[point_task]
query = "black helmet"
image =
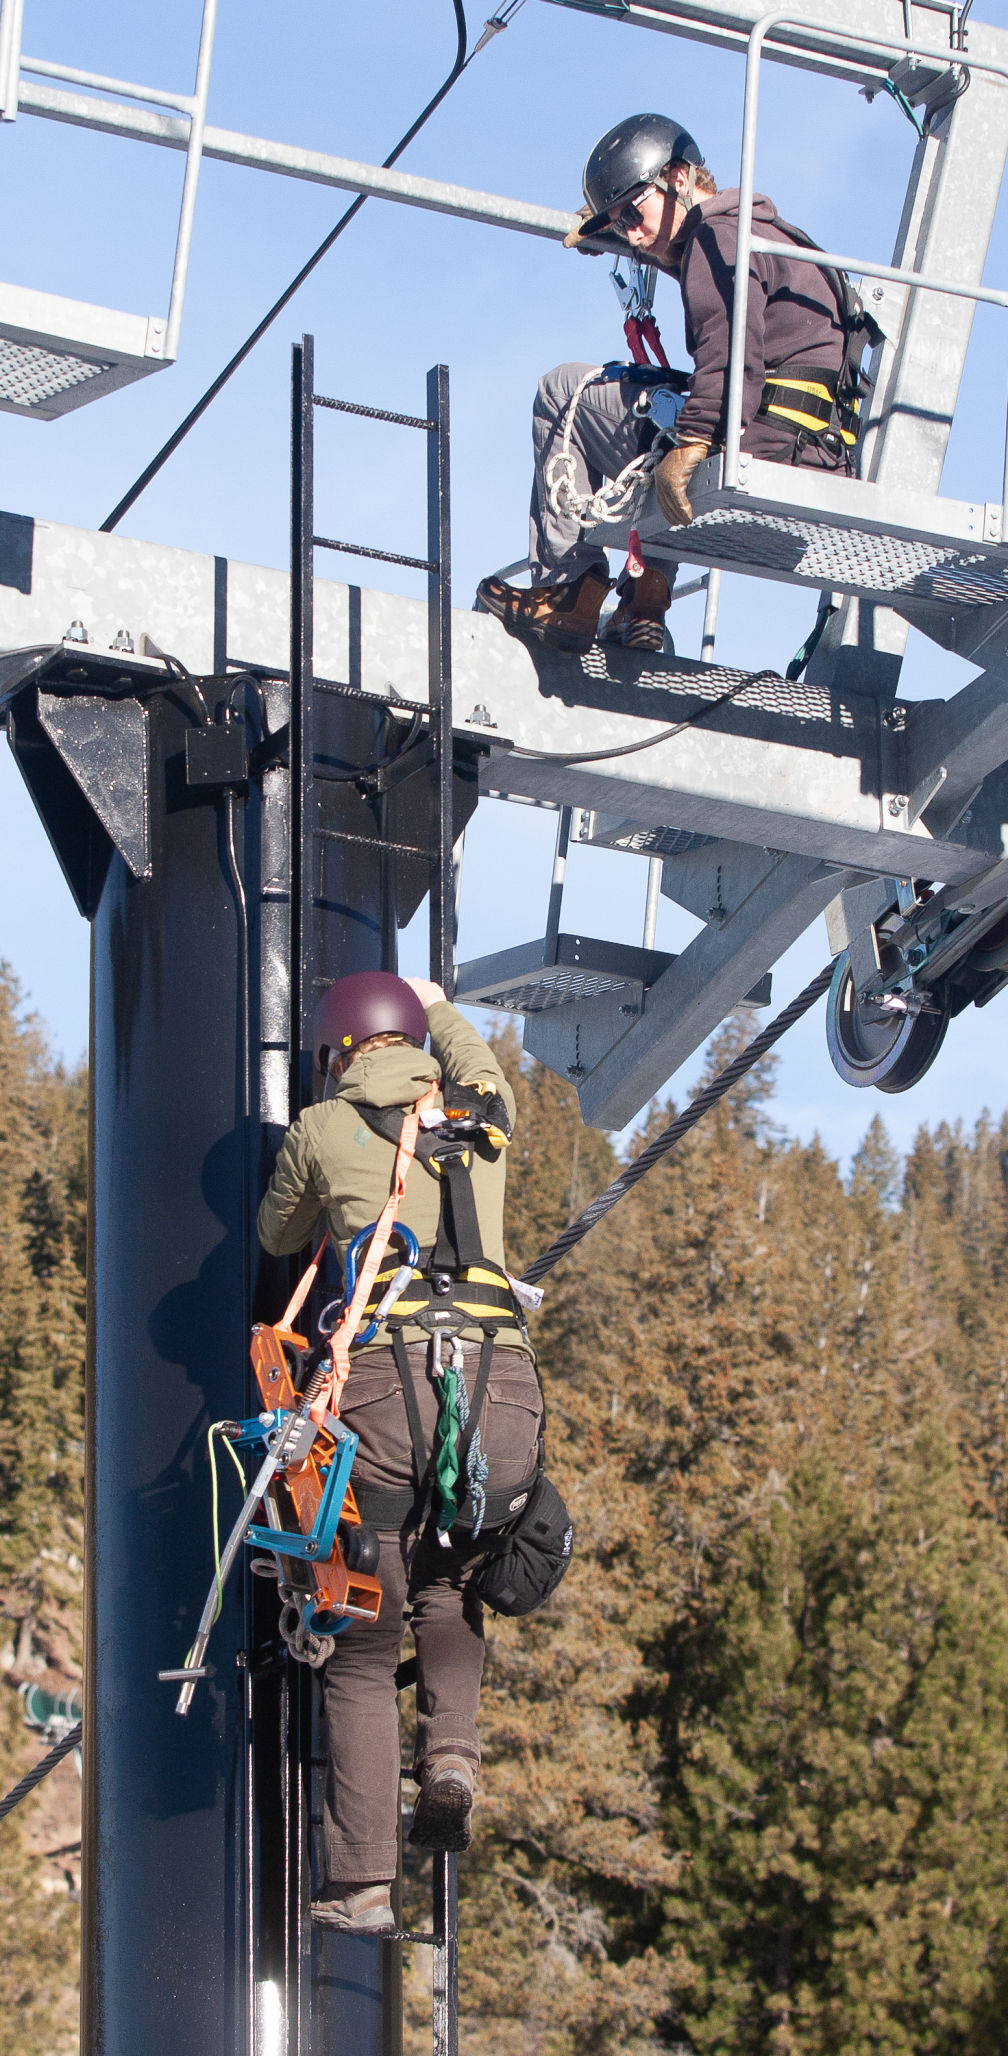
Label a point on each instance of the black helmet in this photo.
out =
(366, 1003)
(629, 157)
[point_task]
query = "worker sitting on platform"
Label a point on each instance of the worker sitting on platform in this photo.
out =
(646, 187)
(445, 1398)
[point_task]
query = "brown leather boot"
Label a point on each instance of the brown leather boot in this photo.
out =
(564, 616)
(639, 620)
(441, 1816)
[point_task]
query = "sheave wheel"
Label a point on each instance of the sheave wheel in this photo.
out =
(870, 1046)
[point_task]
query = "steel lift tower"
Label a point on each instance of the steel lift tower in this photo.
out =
(262, 808)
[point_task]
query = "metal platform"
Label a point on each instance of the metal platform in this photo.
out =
(536, 976)
(937, 558)
(763, 798)
(56, 354)
(539, 975)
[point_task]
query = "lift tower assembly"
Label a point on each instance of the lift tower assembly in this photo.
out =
(261, 808)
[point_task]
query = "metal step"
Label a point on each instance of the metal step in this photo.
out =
(538, 975)
(942, 558)
(57, 354)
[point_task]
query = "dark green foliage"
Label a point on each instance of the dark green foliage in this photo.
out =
(43, 1147)
(744, 1778)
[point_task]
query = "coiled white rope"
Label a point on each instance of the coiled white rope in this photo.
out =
(304, 1645)
(613, 500)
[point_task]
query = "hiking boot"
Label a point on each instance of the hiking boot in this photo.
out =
(355, 1909)
(639, 620)
(566, 617)
(441, 1816)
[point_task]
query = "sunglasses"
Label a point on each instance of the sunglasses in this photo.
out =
(629, 215)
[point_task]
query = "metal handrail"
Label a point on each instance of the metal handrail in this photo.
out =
(72, 75)
(191, 105)
(748, 242)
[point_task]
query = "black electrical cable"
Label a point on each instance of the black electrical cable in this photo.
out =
(649, 742)
(804, 656)
(140, 485)
(683, 1122)
(34, 1777)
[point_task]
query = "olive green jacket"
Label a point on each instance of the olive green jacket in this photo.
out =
(333, 1164)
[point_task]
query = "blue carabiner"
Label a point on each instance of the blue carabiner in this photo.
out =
(331, 1313)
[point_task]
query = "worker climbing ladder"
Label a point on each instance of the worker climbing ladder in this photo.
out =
(864, 792)
(411, 778)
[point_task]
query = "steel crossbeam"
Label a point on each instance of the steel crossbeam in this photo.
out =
(764, 797)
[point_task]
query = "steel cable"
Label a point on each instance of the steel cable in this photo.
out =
(705, 1099)
(41, 1770)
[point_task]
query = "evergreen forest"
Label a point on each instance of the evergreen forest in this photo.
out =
(744, 1782)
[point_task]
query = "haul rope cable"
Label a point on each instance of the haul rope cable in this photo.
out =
(41, 1770)
(705, 1099)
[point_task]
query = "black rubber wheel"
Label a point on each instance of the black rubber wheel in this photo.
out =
(869, 1046)
(360, 1547)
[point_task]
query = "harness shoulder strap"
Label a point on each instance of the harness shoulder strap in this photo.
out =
(448, 1158)
(859, 327)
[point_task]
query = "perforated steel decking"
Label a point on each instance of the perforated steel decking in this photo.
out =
(535, 976)
(811, 528)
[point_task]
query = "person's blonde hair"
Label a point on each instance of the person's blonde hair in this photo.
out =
(702, 180)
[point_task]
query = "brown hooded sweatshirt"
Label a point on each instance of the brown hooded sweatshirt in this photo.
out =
(792, 319)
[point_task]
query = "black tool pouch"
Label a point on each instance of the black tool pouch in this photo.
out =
(530, 1557)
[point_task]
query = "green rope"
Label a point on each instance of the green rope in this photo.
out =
(446, 1445)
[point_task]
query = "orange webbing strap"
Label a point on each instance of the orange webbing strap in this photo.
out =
(304, 1285)
(328, 1398)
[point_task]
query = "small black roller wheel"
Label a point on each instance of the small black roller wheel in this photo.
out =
(360, 1547)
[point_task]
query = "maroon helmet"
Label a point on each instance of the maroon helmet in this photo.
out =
(366, 1003)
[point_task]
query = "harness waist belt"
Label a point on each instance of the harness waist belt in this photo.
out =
(480, 1292)
(810, 403)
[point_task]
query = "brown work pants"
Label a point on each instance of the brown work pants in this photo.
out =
(361, 1807)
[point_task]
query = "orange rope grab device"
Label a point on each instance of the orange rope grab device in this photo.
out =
(323, 1555)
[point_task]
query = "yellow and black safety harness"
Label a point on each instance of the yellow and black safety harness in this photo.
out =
(822, 404)
(453, 1287)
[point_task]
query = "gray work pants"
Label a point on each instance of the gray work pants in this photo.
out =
(361, 1808)
(606, 436)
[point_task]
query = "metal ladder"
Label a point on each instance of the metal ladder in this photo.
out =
(372, 811)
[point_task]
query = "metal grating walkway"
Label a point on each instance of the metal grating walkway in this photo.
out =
(536, 976)
(812, 528)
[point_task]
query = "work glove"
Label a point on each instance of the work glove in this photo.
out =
(672, 480)
(426, 991)
(609, 242)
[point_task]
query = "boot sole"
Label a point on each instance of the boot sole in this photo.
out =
(443, 1820)
(650, 638)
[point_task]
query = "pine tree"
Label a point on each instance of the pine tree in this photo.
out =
(839, 1739)
(42, 1256)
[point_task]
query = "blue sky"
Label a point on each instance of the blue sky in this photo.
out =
(93, 217)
